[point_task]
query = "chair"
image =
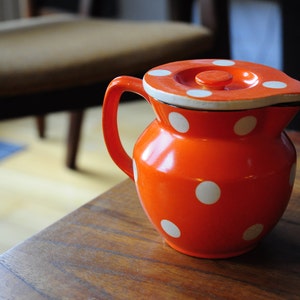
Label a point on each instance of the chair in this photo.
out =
(64, 62)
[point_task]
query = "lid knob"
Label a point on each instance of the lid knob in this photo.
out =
(214, 79)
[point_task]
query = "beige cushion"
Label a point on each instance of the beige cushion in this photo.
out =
(57, 52)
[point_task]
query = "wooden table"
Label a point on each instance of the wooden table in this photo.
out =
(107, 249)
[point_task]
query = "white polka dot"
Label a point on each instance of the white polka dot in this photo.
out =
(223, 62)
(253, 232)
(179, 122)
(274, 84)
(170, 228)
(135, 172)
(293, 174)
(199, 93)
(245, 125)
(208, 192)
(159, 72)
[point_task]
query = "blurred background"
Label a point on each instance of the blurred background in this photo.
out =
(256, 25)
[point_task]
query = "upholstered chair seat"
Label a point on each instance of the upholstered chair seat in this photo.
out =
(64, 62)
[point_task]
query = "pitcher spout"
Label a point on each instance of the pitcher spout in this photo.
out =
(277, 119)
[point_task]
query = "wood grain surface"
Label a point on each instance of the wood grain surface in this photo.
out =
(107, 249)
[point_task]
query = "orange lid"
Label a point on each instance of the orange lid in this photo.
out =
(217, 84)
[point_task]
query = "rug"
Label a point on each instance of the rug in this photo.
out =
(7, 149)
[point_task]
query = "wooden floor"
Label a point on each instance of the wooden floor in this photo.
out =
(36, 189)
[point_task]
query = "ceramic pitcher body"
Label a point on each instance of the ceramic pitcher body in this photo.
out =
(213, 182)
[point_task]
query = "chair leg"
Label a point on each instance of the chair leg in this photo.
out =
(41, 125)
(76, 118)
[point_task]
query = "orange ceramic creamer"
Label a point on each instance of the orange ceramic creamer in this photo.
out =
(214, 171)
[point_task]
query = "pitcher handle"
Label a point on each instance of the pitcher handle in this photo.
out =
(111, 102)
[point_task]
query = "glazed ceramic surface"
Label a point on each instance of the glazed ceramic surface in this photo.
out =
(214, 171)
